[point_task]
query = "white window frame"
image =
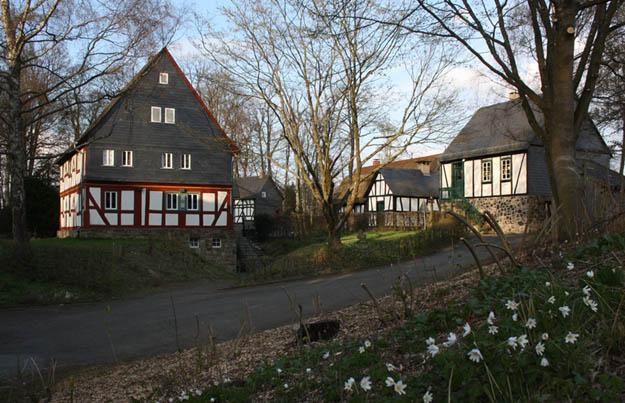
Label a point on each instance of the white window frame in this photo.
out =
(193, 201)
(487, 171)
(155, 114)
(163, 78)
(171, 201)
(167, 161)
(263, 195)
(110, 200)
(506, 173)
(185, 161)
(127, 158)
(194, 243)
(216, 243)
(108, 158)
(170, 119)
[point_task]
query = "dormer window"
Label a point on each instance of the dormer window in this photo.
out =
(155, 116)
(170, 115)
(163, 78)
(108, 158)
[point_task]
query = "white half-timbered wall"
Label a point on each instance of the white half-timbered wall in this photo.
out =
(71, 209)
(146, 207)
(71, 171)
(474, 186)
(379, 192)
(71, 174)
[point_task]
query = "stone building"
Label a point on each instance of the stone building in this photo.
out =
(155, 163)
(497, 163)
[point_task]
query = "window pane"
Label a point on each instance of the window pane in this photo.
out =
(170, 115)
(156, 114)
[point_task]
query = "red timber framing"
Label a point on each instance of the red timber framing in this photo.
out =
(140, 205)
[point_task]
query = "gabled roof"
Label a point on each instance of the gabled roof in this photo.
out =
(83, 140)
(504, 127)
(410, 182)
(412, 164)
(251, 186)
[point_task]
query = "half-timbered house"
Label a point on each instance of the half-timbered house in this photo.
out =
(498, 163)
(155, 163)
(256, 195)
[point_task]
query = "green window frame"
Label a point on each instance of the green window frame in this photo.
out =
(171, 201)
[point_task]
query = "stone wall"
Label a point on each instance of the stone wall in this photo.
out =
(225, 256)
(513, 212)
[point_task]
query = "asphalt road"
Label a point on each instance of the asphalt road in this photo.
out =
(85, 334)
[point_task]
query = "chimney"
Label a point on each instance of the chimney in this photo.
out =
(513, 95)
(376, 162)
(261, 174)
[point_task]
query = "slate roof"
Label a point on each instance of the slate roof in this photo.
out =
(600, 173)
(81, 142)
(412, 164)
(503, 128)
(251, 186)
(411, 182)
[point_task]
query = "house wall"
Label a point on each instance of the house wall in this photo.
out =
(272, 202)
(474, 186)
(380, 192)
(538, 172)
(224, 256)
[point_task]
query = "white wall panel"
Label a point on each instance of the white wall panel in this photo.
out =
(208, 219)
(156, 201)
(128, 219)
(221, 196)
(155, 219)
(95, 193)
(468, 178)
(111, 218)
(222, 221)
(519, 173)
(171, 219)
(496, 176)
(192, 219)
(208, 201)
(477, 178)
(94, 218)
(128, 200)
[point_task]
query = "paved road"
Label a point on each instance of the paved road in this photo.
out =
(142, 327)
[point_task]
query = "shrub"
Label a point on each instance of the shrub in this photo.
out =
(264, 226)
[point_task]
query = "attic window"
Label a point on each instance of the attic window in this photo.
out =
(156, 114)
(263, 195)
(163, 78)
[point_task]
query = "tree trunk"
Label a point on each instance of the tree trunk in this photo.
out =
(16, 160)
(622, 165)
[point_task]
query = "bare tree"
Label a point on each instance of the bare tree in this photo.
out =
(503, 36)
(316, 66)
(76, 43)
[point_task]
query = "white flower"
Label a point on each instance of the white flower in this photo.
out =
(400, 388)
(198, 392)
(390, 382)
(308, 370)
(365, 383)
(493, 329)
(571, 338)
(586, 290)
(565, 311)
(547, 284)
(367, 344)
(593, 305)
(361, 349)
(475, 355)
(515, 317)
(552, 300)
(566, 293)
(212, 399)
(390, 367)
(349, 383)
(590, 274)
(491, 318)
(512, 342)
(227, 380)
(433, 349)
(451, 340)
(279, 371)
(326, 355)
(540, 348)
(467, 329)
(512, 305)
(523, 340)
(545, 336)
(544, 362)
(531, 323)
(428, 397)
(570, 266)
(286, 386)
(430, 341)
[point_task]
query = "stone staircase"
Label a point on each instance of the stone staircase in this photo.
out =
(249, 255)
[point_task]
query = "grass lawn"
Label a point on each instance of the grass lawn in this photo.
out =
(294, 259)
(77, 270)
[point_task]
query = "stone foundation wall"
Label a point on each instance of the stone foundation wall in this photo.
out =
(513, 212)
(225, 256)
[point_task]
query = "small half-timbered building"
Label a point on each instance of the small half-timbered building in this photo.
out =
(498, 163)
(256, 195)
(155, 163)
(402, 190)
